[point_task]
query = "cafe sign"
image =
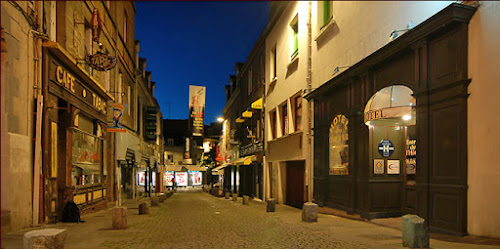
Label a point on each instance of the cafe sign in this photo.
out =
(67, 80)
(101, 61)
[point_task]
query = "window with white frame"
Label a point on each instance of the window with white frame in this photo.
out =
(294, 39)
(324, 13)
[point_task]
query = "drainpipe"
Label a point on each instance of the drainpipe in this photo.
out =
(41, 90)
(309, 159)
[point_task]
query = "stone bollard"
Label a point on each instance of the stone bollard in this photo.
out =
(162, 198)
(227, 194)
(143, 208)
(45, 238)
(155, 201)
(119, 217)
(271, 205)
(415, 232)
(310, 212)
(235, 197)
(246, 199)
(219, 192)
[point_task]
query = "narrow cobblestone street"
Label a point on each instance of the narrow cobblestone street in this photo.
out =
(194, 219)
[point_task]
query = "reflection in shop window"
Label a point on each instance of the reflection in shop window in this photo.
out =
(339, 146)
(86, 159)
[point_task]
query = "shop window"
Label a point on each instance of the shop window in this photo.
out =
(339, 146)
(284, 119)
(87, 151)
(272, 120)
(294, 39)
(324, 13)
(298, 113)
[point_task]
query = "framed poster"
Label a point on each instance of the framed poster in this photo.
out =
(378, 166)
(181, 179)
(393, 167)
(168, 179)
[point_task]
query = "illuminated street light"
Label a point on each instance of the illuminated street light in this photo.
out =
(220, 119)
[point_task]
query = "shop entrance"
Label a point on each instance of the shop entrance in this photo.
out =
(390, 115)
(295, 183)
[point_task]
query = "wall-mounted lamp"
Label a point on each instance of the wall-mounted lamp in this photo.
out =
(220, 119)
(337, 69)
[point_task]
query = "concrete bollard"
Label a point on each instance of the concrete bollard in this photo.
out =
(119, 217)
(162, 198)
(143, 208)
(246, 199)
(310, 212)
(235, 197)
(227, 194)
(219, 192)
(45, 238)
(415, 232)
(155, 201)
(271, 205)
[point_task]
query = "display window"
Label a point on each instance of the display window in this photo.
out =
(339, 146)
(86, 158)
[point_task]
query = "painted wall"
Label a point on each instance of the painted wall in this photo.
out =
(17, 119)
(483, 120)
(359, 29)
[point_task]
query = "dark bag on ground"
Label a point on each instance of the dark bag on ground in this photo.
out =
(71, 212)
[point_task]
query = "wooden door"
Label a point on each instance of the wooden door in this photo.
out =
(295, 183)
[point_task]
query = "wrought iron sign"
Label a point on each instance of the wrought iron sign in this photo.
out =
(101, 61)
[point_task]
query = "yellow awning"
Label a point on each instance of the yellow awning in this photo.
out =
(247, 114)
(258, 104)
(244, 160)
(240, 120)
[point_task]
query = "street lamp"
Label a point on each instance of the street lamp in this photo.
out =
(220, 119)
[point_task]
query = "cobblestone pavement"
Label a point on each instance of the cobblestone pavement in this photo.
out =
(199, 220)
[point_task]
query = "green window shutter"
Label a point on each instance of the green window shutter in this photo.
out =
(326, 11)
(295, 38)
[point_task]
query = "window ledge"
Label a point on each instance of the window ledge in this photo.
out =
(324, 29)
(293, 61)
(273, 81)
(287, 135)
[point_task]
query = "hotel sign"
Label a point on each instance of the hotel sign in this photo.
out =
(67, 80)
(391, 112)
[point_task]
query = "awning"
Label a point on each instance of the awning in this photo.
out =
(173, 168)
(195, 168)
(244, 161)
(247, 114)
(258, 104)
(240, 120)
(219, 170)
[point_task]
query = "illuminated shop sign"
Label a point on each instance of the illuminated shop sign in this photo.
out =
(181, 179)
(387, 113)
(168, 179)
(100, 61)
(195, 178)
(65, 79)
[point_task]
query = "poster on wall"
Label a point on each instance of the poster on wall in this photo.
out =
(378, 166)
(118, 111)
(195, 178)
(339, 146)
(181, 179)
(196, 109)
(142, 178)
(411, 156)
(168, 179)
(393, 167)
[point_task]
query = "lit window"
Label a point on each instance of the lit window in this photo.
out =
(294, 40)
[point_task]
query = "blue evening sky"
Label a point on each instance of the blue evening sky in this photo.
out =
(196, 43)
